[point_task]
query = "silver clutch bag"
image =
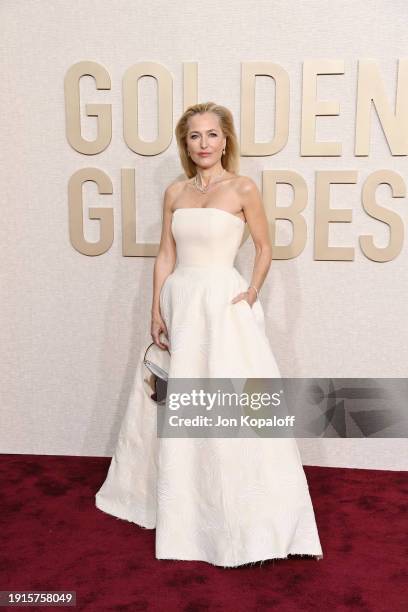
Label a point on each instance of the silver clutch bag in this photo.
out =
(157, 362)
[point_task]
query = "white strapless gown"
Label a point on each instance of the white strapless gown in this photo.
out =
(227, 501)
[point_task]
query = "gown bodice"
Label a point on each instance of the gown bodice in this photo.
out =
(206, 236)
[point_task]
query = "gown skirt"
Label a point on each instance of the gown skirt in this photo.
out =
(225, 501)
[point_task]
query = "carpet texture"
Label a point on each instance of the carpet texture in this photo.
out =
(53, 538)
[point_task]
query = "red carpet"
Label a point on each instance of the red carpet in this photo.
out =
(53, 537)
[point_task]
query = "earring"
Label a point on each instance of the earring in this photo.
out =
(223, 152)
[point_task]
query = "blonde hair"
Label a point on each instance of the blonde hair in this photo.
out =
(230, 161)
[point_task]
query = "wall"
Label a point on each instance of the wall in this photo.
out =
(72, 326)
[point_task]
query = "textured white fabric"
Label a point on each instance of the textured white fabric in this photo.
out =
(227, 501)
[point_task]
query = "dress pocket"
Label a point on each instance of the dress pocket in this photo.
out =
(244, 302)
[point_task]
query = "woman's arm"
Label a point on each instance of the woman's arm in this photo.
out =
(258, 226)
(163, 265)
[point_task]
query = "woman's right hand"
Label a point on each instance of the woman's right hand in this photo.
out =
(158, 326)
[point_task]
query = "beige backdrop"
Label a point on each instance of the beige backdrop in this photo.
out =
(72, 326)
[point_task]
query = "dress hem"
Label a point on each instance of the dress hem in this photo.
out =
(242, 563)
(114, 511)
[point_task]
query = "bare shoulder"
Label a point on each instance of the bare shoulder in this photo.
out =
(246, 186)
(172, 191)
(175, 187)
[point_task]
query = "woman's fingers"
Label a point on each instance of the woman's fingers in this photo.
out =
(243, 296)
(157, 329)
(238, 297)
(158, 342)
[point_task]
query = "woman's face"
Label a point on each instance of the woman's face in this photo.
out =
(204, 135)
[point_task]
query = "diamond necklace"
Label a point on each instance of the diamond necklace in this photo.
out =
(200, 187)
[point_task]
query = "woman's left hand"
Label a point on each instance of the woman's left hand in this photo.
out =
(244, 295)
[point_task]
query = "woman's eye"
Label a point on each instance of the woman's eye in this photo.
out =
(193, 136)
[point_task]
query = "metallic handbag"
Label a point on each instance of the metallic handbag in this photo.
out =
(158, 376)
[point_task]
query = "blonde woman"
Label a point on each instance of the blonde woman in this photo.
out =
(226, 501)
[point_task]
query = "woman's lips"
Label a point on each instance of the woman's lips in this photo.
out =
(204, 154)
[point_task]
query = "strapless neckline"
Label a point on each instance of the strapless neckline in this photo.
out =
(221, 210)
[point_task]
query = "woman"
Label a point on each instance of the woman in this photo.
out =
(226, 501)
